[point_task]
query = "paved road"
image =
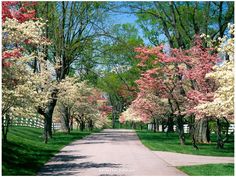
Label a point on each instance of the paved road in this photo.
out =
(108, 153)
(177, 159)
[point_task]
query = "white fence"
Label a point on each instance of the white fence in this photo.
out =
(186, 128)
(151, 127)
(231, 128)
(30, 122)
(56, 126)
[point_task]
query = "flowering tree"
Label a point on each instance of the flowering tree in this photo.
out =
(143, 108)
(222, 104)
(92, 110)
(197, 63)
(25, 52)
(20, 28)
(101, 107)
(77, 100)
(25, 88)
(14, 9)
(68, 95)
(104, 111)
(130, 115)
(162, 80)
(18, 73)
(178, 76)
(184, 78)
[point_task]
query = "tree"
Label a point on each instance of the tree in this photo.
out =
(194, 69)
(178, 22)
(20, 85)
(163, 80)
(178, 76)
(130, 115)
(221, 106)
(72, 27)
(77, 100)
(148, 108)
(92, 111)
(15, 10)
(119, 67)
(68, 95)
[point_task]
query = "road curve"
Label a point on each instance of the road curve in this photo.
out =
(178, 159)
(108, 153)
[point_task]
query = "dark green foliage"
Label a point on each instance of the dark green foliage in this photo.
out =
(178, 22)
(163, 142)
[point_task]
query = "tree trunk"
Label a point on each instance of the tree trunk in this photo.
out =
(180, 129)
(45, 131)
(194, 142)
(220, 143)
(65, 119)
(4, 137)
(191, 123)
(163, 126)
(48, 122)
(202, 131)
(157, 125)
(5, 127)
(81, 125)
(113, 120)
(90, 124)
(47, 113)
(154, 124)
(49, 127)
(226, 138)
(71, 123)
(170, 124)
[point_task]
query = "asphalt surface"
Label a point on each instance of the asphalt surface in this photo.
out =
(178, 159)
(109, 153)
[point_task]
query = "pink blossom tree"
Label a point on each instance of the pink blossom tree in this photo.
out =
(177, 76)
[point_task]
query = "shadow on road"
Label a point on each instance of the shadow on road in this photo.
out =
(88, 142)
(112, 135)
(74, 168)
(65, 158)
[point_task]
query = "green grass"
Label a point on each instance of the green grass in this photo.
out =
(209, 170)
(25, 151)
(161, 142)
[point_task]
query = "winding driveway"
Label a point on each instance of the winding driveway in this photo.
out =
(120, 153)
(109, 153)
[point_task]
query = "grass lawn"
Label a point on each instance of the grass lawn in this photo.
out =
(25, 151)
(161, 142)
(209, 170)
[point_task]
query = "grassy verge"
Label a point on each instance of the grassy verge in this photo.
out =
(209, 170)
(161, 142)
(25, 151)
